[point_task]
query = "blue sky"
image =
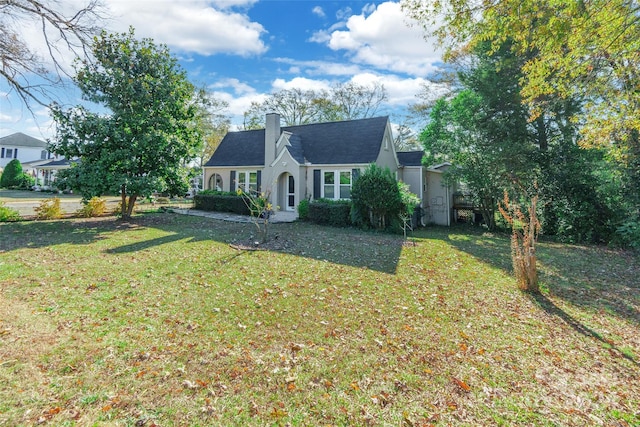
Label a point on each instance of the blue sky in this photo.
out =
(241, 50)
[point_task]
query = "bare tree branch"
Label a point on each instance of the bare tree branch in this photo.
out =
(32, 76)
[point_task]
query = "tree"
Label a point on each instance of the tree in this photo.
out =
(11, 174)
(484, 132)
(575, 49)
(376, 198)
(30, 76)
(213, 123)
(148, 131)
(346, 101)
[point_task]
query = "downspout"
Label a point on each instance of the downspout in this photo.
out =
(448, 208)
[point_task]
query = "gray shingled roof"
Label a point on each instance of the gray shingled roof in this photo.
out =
(347, 142)
(21, 140)
(410, 158)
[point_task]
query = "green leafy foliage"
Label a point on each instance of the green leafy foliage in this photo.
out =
(8, 214)
(220, 202)
(141, 144)
(49, 209)
(577, 52)
(336, 213)
(376, 199)
(303, 209)
(11, 174)
(629, 233)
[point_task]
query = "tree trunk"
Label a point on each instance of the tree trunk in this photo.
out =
(123, 203)
(132, 202)
(488, 212)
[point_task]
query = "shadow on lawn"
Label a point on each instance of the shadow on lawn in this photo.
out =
(593, 277)
(376, 251)
(556, 311)
(39, 234)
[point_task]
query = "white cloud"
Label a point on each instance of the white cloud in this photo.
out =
(300, 83)
(318, 11)
(383, 39)
(238, 87)
(314, 68)
(192, 26)
(402, 91)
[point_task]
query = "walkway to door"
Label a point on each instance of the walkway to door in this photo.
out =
(277, 217)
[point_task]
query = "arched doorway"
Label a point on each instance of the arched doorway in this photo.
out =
(215, 182)
(287, 192)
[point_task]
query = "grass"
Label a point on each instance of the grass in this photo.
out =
(160, 322)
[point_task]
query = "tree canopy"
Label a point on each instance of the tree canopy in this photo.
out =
(588, 49)
(145, 130)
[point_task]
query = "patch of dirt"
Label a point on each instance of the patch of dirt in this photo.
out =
(275, 243)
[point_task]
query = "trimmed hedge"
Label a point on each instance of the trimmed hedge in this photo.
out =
(330, 212)
(221, 203)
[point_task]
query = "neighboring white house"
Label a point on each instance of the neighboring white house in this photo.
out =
(320, 160)
(22, 147)
(34, 156)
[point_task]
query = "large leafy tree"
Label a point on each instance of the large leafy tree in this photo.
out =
(483, 130)
(29, 74)
(575, 49)
(146, 129)
(486, 131)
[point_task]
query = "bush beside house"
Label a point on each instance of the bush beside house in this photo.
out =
(217, 201)
(336, 213)
(14, 177)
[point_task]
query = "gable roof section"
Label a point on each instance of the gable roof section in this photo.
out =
(346, 142)
(410, 158)
(19, 139)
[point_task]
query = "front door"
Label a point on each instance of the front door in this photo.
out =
(291, 193)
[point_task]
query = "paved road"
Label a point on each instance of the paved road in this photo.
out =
(25, 202)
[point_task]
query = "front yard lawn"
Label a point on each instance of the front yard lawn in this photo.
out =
(161, 322)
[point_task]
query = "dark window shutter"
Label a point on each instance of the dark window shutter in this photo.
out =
(15, 153)
(355, 174)
(317, 182)
(2, 153)
(259, 181)
(232, 182)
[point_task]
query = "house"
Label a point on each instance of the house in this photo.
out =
(47, 170)
(320, 160)
(22, 147)
(429, 184)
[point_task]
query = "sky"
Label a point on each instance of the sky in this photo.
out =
(242, 50)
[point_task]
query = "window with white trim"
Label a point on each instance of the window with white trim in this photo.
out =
(336, 184)
(8, 153)
(248, 181)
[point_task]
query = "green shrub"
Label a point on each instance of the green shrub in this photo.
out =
(216, 193)
(303, 209)
(11, 174)
(336, 213)
(221, 202)
(95, 207)
(8, 214)
(49, 209)
(24, 182)
(629, 234)
(377, 201)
